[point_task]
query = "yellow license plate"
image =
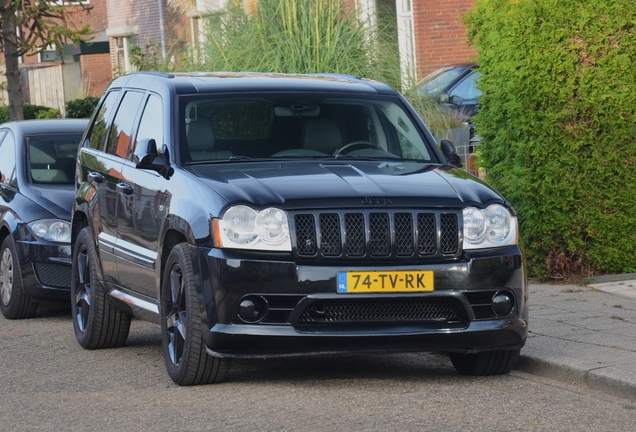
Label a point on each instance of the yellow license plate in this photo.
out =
(385, 281)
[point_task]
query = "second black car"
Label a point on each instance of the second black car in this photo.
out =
(37, 188)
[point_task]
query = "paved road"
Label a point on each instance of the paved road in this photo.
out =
(48, 382)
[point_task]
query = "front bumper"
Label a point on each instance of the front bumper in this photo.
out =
(46, 268)
(295, 295)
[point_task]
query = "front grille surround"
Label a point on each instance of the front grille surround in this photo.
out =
(376, 234)
(440, 308)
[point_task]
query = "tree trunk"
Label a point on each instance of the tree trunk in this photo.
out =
(14, 83)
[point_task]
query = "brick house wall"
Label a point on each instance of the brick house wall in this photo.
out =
(96, 73)
(96, 69)
(440, 37)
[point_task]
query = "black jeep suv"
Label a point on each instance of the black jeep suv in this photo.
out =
(261, 215)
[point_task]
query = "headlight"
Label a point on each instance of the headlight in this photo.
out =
(492, 227)
(242, 227)
(51, 229)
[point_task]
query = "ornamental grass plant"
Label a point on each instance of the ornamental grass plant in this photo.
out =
(298, 36)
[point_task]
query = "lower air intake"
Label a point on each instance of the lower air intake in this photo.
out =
(379, 311)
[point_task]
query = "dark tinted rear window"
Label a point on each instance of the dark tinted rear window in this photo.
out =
(51, 158)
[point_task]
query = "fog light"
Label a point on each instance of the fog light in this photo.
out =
(252, 309)
(502, 304)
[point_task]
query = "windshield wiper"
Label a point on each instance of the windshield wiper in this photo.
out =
(360, 158)
(230, 159)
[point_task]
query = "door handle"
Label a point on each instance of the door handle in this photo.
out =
(95, 177)
(125, 188)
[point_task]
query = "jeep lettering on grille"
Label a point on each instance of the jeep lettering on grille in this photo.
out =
(376, 201)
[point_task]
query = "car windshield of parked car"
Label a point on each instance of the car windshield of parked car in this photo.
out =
(437, 81)
(294, 125)
(51, 158)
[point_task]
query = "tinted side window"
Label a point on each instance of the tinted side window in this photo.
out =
(467, 89)
(7, 161)
(151, 125)
(121, 129)
(98, 133)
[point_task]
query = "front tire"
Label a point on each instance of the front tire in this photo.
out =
(496, 362)
(96, 321)
(184, 351)
(14, 302)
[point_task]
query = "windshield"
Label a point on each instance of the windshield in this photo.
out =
(51, 158)
(298, 125)
(436, 82)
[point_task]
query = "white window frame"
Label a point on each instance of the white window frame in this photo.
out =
(125, 50)
(68, 3)
(48, 49)
(126, 35)
(406, 41)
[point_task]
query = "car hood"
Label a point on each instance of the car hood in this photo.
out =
(313, 184)
(56, 199)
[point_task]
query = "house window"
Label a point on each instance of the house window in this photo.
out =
(49, 54)
(122, 53)
(68, 3)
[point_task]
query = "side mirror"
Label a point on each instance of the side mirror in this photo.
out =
(449, 152)
(146, 156)
(145, 152)
(456, 100)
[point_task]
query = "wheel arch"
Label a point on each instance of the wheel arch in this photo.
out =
(172, 238)
(79, 221)
(4, 232)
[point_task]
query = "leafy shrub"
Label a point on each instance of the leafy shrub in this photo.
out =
(30, 112)
(81, 108)
(48, 114)
(558, 120)
(4, 114)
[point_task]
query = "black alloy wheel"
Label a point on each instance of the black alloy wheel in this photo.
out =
(176, 316)
(187, 361)
(83, 294)
(14, 302)
(96, 321)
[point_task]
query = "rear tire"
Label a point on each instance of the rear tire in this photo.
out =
(14, 302)
(96, 321)
(485, 363)
(184, 352)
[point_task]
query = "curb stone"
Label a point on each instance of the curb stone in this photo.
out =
(605, 379)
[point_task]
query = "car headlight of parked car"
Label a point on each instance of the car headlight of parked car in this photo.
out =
(52, 230)
(242, 227)
(491, 227)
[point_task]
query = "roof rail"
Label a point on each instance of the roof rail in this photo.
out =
(161, 74)
(337, 75)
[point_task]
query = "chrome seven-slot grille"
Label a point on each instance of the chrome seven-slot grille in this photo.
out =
(376, 234)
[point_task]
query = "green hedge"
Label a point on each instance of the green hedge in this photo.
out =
(81, 108)
(30, 112)
(558, 122)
